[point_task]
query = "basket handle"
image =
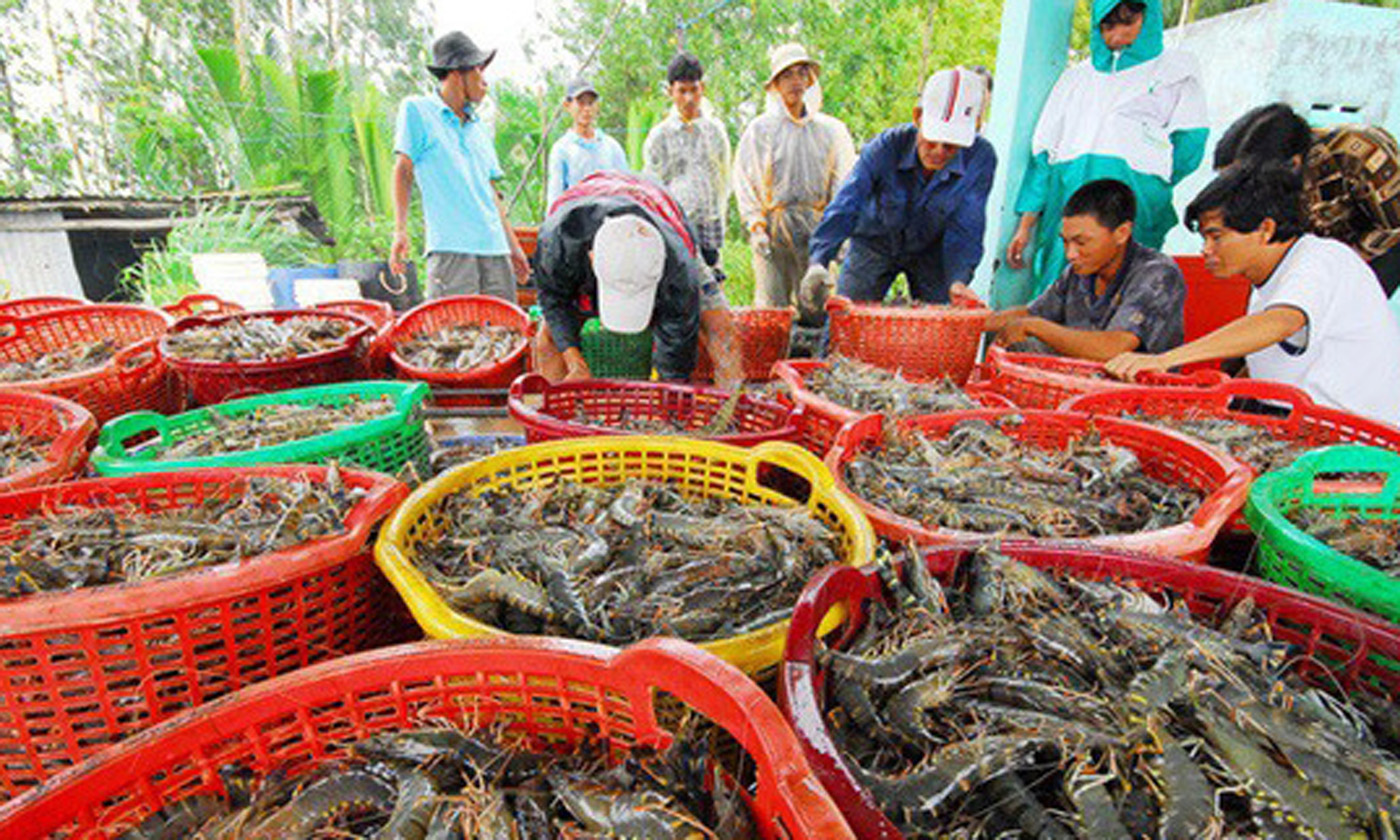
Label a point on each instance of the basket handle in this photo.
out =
(1352, 459)
(837, 303)
(793, 459)
(530, 383)
(9, 327)
(128, 360)
(1275, 392)
(114, 435)
(720, 692)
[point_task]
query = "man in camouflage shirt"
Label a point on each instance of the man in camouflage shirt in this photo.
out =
(688, 152)
(1115, 296)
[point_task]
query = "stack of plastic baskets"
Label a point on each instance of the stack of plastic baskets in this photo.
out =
(925, 342)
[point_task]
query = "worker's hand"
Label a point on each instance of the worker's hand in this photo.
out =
(960, 294)
(760, 243)
(1016, 331)
(576, 365)
(814, 291)
(398, 252)
(520, 264)
(1127, 366)
(1016, 250)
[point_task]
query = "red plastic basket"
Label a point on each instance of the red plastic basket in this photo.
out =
(210, 382)
(1337, 644)
(925, 342)
(1034, 381)
(1211, 303)
(1164, 455)
(201, 304)
(66, 425)
(757, 420)
(1306, 422)
(451, 311)
(381, 316)
(823, 419)
(761, 338)
(24, 307)
(560, 693)
(88, 667)
(136, 378)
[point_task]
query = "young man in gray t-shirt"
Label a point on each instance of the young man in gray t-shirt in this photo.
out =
(1115, 296)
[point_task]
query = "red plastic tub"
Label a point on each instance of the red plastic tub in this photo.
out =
(1338, 646)
(1034, 381)
(381, 316)
(88, 667)
(135, 379)
(67, 426)
(1306, 422)
(762, 337)
(757, 420)
(23, 307)
(559, 692)
(1211, 302)
(210, 382)
(922, 342)
(1164, 455)
(823, 418)
(451, 311)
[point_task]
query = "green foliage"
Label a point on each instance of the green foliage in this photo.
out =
(164, 274)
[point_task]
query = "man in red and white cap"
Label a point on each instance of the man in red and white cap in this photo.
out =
(915, 203)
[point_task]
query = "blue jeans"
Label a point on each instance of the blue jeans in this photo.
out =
(867, 273)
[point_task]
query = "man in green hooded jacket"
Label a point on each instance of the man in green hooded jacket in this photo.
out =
(1134, 113)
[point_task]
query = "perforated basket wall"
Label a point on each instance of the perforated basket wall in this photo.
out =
(771, 474)
(66, 427)
(1336, 646)
(91, 666)
(1033, 381)
(761, 338)
(924, 342)
(452, 311)
(555, 692)
(1164, 455)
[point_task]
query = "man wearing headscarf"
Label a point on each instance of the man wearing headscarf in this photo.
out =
(788, 165)
(1133, 112)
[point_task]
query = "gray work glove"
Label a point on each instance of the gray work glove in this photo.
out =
(812, 295)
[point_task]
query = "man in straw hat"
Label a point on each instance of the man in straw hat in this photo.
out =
(789, 164)
(916, 202)
(442, 144)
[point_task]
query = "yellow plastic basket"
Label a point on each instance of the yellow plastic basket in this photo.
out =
(771, 473)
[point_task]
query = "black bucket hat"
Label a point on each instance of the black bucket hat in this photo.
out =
(455, 51)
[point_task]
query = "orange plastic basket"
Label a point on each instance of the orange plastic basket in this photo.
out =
(822, 419)
(136, 378)
(1033, 381)
(922, 342)
(1337, 647)
(1164, 455)
(558, 693)
(88, 667)
(210, 382)
(761, 338)
(200, 304)
(66, 425)
(451, 311)
(22, 307)
(608, 400)
(1305, 421)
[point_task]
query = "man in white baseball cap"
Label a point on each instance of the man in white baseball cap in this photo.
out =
(916, 202)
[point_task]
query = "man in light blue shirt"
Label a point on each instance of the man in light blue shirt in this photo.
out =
(584, 148)
(442, 144)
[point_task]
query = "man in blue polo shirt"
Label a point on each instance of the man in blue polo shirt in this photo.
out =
(915, 203)
(442, 144)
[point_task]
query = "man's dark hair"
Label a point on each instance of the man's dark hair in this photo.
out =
(1124, 13)
(1269, 132)
(1110, 202)
(1247, 194)
(684, 68)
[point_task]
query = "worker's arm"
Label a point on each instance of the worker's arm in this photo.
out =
(675, 323)
(839, 220)
(557, 285)
(519, 263)
(748, 181)
(403, 191)
(555, 183)
(997, 320)
(1188, 150)
(967, 223)
(1238, 338)
(1095, 345)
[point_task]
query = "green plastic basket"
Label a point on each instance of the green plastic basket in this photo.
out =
(613, 355)
(384, 444)
(1289, 556)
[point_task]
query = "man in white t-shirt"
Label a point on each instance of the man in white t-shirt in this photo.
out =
(1317, 318)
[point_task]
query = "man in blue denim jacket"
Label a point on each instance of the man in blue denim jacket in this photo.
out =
(916, 202)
